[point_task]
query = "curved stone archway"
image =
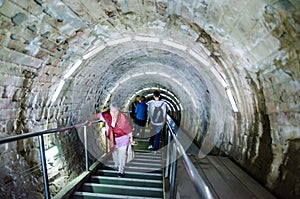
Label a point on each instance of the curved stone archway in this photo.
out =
(232, 65)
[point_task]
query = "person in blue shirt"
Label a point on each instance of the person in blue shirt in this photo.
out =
(140, 117)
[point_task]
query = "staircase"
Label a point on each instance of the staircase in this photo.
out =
(143, 179)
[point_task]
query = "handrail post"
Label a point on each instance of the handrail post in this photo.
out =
(85, 149)
(44, 165)
(173, 173)
(106, 144)
(168, 152)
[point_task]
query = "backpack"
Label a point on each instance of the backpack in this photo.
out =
(158, 116)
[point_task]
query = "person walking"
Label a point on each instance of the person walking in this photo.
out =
(118, 132)
(157, 117)
(133, 107)
(140, 117)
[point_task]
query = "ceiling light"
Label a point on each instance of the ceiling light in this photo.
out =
(199, 58)
(151, 39)
(57, 91)
(137, 74)
(73, 68)
(231, 100)
(175, 45)
(219, 77)
(93, 52)
(118, 41)
(151, 73)
(165, 75)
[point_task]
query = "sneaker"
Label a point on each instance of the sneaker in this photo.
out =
(120, 175)
(150, 147)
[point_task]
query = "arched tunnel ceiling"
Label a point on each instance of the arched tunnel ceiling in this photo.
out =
(222, 44)
(213, 43)
(137, 69)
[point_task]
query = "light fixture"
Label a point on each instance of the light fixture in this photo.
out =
(114, 88)
(150, 39)
(219, 77)
(137, 74)
(165, 75)
(198, 57)
(175, 45)
(72, 70)
(93, 52)
(231, 100)
(125, 79)
(151, 73)
(57, 91)
(118, 41)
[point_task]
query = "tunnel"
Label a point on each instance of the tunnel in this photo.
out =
(228, 70)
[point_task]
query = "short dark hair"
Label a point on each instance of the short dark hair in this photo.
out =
(143, 98)
(156, 93)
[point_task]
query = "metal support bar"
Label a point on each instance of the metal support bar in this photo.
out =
(202, 189)
(106, 143)
(44, 165)
(85, 149)
(173, 173)
(168, 153)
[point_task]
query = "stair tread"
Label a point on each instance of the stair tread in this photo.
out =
(146, 159)
(149, 162)
(127, 179)
(132, 172)
(123, 187)
(129, 167)
(98, 195)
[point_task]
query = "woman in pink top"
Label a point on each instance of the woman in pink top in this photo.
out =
(119, 134)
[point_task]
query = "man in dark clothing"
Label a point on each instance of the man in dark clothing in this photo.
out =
(140, 117)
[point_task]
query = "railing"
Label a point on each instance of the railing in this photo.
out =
(173, 152)
(42, 148)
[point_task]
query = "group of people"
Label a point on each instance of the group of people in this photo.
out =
(152, 112)
(120, 133)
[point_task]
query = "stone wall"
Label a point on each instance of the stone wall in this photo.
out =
(253, 46)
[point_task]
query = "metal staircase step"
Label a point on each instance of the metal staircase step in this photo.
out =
(143, 180)
(141, 163)
(139, 168)
(146, 159)
(131, 174)
(126, 181)
(156, 155)
(121, 190)
(89, 195)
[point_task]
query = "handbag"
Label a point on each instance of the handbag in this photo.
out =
(129, 152)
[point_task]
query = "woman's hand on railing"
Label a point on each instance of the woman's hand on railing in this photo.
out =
(88, 122)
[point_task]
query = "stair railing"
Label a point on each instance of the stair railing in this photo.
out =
(174, 150)
(40, 137)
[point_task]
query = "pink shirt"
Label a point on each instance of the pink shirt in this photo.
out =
(120, 141)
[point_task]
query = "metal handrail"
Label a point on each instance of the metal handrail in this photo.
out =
(35, 134)
(198, 182)
(40, 134)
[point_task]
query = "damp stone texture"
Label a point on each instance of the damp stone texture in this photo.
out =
(228, 69)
